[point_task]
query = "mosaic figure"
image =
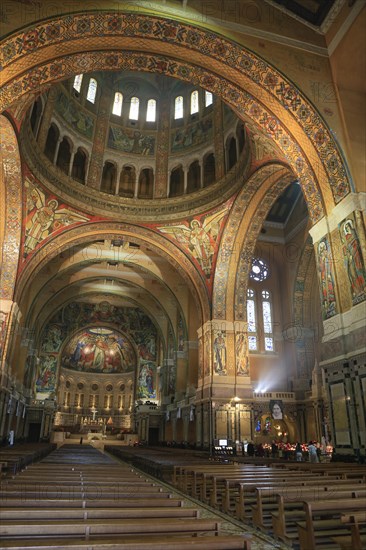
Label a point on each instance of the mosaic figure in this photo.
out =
(198, 237)
(44, 216)
(327, 290)
(352, 253)
(219, 347)
(241, 355)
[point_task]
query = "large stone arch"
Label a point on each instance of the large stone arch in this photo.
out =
(10, 226)
(239, 239)
(111, 40)
(84, 234)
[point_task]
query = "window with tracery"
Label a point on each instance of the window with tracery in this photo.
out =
(208, 98)
(77, 82)
(251, 318)
(151, 111)
(178, 107)
(134, 108)
(117, 104)
(92, 90)
(259, 271)
(194, 102)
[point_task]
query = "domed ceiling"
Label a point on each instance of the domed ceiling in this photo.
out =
(125, 144)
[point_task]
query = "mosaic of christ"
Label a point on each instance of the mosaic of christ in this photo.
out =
(99, 350)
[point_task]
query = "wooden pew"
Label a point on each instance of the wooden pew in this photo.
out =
(288, 507)
(327, 523)
(167, 542)
(356, 540)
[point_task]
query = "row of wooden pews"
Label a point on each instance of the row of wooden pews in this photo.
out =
(309, 507)
(15, 458)
(78, 499)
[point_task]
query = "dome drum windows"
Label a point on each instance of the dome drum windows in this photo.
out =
(117, 104)
(151, 111)
(178, 108)
(92, 90)
(134, 108)
(77, 82)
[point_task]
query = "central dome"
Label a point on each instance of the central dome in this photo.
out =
(132, 138)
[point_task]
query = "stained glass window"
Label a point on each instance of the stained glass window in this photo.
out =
(259, 270)
(267, 320)
(77, 82)
(251, 318)
(92, 90)
(194, 102)
(178, 107)
(151, 110)
(134, 108)
(117, 104)
(208, 99)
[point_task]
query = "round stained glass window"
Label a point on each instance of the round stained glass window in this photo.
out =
(259, 270)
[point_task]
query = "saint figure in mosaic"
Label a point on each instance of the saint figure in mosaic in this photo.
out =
(327, 289)
(354, 260)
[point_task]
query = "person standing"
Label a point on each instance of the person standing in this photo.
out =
(313, 456)
(298, 452)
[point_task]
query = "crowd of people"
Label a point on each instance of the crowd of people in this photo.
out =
(312, 451)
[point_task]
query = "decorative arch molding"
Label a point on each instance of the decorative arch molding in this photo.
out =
(86, 234)
(28, 65)
(10, 208)
(239, 239)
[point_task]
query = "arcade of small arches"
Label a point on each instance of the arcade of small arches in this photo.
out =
(129, 162)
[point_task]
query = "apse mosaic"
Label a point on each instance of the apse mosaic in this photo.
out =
(94, 347)
(353, 258)
(99, 350)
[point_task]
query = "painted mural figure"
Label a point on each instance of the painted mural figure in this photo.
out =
(326, 278)
(44, 216)
(242, 359)
(353, 259)
(199, 237)
(220, 354)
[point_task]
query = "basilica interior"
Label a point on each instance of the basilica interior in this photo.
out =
(182, 229)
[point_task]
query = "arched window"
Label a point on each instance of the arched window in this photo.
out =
(117, 104)
(151, 111)
(267, 320)
(77, 82)
(208, 98)
(251, 318)
(92, 90)
(178, 107)
(194, 102)
(134, 108)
